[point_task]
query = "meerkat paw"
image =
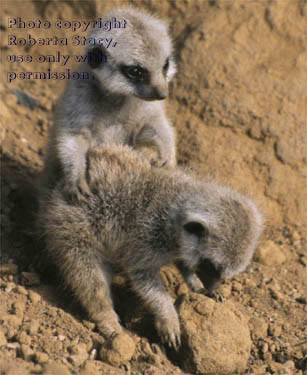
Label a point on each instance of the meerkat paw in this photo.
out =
(169, 332)
(108, 324)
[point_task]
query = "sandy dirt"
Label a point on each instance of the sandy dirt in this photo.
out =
(238, 104)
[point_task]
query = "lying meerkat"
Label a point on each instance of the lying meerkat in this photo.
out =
(124, 101)
(139, 218)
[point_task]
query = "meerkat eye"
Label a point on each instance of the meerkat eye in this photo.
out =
(166, 66)
(196, 229)
(135, 73)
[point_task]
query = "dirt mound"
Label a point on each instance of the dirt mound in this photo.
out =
(238, 104)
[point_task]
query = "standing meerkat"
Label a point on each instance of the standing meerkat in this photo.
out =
(123, 103)
(138, 218)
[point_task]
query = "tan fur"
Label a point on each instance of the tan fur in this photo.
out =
(112, 107)
(139, 218)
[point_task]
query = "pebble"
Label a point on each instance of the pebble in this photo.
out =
(9, 287)
(3, 340)
(13, 345)
(90, 368)
(26, 352)
(78, 349)
(25, 99)
(259, 327)
(78, 359)
(54, 368)
(34, 326)
(41, 357)
(236, 286)
(34, 297)
(22, 290)
(225, 290)
(18, 308)
(275, 330)
(118, 349)
(89, 325)
(23, 338)
(270, 254)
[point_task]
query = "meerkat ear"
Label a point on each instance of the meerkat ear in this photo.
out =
(96, 56)
(196, 224)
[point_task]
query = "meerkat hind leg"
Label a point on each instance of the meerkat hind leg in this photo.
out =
(90, 281)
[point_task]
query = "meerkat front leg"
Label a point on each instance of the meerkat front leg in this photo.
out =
(157, 141)
(151, 289)
(72, 150)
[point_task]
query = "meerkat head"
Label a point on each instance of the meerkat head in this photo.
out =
(219, 235)
(138, 61)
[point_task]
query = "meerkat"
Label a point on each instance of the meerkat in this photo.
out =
(138, 218)
(123, 102)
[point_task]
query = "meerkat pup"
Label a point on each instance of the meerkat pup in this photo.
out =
(138, 218)
(123, 103)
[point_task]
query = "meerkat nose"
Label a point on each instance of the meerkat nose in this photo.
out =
(160, 93)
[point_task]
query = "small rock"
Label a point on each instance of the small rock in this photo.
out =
(23, 338)
(287, 368)
(78, 349)
(275, 330)
(22, 290)
(13, 345)
(26, 352)
(90, 368)
(118, 349)
(34, 297)
(18, 308)
(41, 357)
(9, 269)
(54, 368)
(78, 359)
(30, 279)
(13, 321)
(3, 340)
(270, 254)
(25, 99)
(303, 260)
(217, 340)
(225, 290)
(237, 286)
(258, 327)
(34, 326)
(89, 325)
(264, 347)
(9, 287)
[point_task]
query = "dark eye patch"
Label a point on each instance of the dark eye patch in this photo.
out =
(135, 73)
(166, 66)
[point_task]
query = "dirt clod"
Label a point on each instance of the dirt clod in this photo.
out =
(216, 340)
(270, 254)
(118, 350)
